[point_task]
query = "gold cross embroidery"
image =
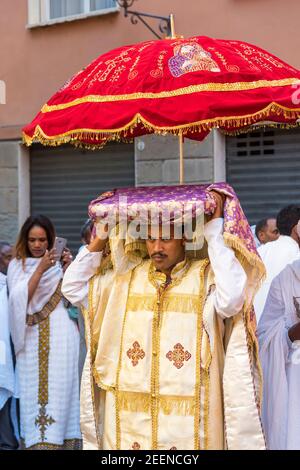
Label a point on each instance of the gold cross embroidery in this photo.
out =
(43, 421)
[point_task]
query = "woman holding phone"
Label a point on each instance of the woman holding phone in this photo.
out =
(46, 341)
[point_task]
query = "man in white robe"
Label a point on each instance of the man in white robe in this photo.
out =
(277, 254)
(7, 376)
(146, 351)
(279, 339)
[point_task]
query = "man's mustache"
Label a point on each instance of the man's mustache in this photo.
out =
(158, 254)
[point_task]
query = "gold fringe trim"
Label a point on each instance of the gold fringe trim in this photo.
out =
(184, 303)
(73, 137)
(183, 406)
(117, 392)
(136, 250)
(100, 383)
(198, 382)
(136, 402)
(137, 246)
(155, 385)
(245, 255)
(259, 127)
(189, 90)
(206, 382)
(89, 316)
(105, 265)
(102, 136)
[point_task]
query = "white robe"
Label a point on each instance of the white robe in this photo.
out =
(275, 256)
(62, 377)
(281, 404)
(7, 375)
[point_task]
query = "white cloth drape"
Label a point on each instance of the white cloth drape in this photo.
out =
(275, 256)
(7, 376)
(281, 404)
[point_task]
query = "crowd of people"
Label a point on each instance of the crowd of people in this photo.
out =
(147, 370)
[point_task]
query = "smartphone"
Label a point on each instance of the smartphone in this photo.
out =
(59, 245)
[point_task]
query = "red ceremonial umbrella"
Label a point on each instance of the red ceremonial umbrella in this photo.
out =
(176, 85)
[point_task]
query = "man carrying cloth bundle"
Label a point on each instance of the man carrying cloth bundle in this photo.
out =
(171, 342)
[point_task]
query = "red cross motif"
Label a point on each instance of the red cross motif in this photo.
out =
(178, 356)
(136, 446)
(135, 354)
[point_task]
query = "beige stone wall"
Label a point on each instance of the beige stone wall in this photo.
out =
(8, 191)
(157, 160)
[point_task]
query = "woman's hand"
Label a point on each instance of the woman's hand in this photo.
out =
(47, 261)
(66, 259)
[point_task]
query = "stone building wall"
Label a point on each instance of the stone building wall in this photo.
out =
(8, 191)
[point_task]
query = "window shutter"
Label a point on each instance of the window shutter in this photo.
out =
(264, 170)
(64, 180)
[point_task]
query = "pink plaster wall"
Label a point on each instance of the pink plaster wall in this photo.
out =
(34, 63)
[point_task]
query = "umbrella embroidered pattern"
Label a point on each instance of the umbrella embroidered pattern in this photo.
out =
(182, 86)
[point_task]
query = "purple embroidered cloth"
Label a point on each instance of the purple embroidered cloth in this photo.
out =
(176, 197)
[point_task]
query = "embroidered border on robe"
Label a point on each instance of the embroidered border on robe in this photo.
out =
(50, 306)
(43, 420)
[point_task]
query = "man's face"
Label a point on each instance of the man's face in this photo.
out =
(165, 252)
(270, 233)
(5, 258)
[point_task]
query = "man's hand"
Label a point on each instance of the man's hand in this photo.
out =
(100, 240)
(220, 199)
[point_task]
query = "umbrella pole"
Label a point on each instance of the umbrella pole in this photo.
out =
(172, 24)
(181, 161)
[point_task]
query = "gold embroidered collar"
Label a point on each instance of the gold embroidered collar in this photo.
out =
(157, 278)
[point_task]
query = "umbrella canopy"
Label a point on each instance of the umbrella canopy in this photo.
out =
(181, 86)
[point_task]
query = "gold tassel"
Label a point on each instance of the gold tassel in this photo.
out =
(141, 403)
(103, 136)
(134, 402)
(181, 406)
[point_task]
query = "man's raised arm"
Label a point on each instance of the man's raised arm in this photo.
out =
(230, 277)
(84, 267)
